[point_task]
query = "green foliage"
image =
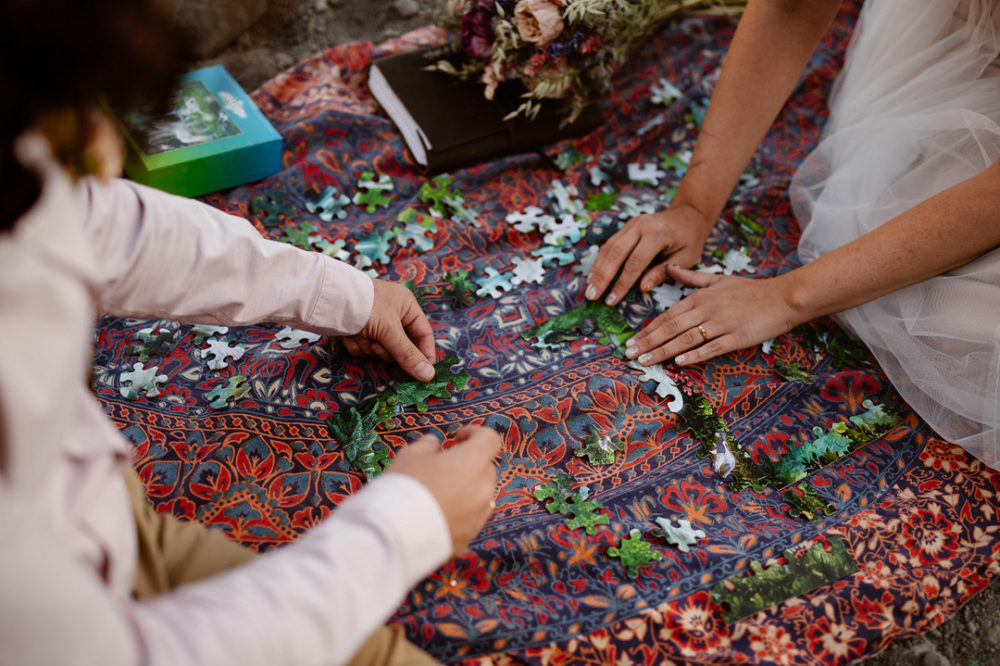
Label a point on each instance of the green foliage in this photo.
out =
(602, 200)
(581, 321)
(598, 449)
(745, 595)
(419, 293)
(806, 503)
(793, 372)
(704, 422)
(845, 350)
(751, 232)
(355, 428)
(585, 514)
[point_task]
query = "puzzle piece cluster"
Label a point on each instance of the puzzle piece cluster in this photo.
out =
(566, 500)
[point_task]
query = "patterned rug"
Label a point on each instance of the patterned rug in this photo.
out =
(916, 514)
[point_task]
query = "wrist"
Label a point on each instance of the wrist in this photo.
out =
(799, 298)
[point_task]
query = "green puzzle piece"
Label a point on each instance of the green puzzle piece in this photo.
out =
(435, 193)
(585, 515)
(300, 237)
(560, 492)
(374, 193)
(635, 553)
(460, 290)
(581, 321)
(234, 390)
(598, 449)
(270, 211)
(152, 345)
(415, 393)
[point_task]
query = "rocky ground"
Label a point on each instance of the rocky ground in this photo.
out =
(256, 39)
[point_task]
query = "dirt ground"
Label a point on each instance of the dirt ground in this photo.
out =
(293, 29)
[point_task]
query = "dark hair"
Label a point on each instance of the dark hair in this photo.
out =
(59, 56)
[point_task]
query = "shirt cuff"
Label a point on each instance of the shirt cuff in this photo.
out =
(345, 301)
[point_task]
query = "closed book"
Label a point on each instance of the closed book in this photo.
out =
(446, 121)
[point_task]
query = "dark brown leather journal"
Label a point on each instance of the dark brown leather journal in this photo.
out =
(448, 124)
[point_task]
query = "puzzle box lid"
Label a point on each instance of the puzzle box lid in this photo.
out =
(213, 138)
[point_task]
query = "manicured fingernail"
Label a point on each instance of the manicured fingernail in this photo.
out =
(645, 287)
(591, 293)
(645, 358)
(424, 369)
(610, 300)
(631, 351)
(680, 359)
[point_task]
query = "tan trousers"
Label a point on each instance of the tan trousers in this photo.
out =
(173, 552)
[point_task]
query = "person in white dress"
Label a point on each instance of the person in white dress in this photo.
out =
(899, 205)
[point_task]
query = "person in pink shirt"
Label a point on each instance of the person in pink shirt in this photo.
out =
(89, 574)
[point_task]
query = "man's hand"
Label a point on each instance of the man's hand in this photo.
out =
(398, 330)
(676, 235)
(462, 478)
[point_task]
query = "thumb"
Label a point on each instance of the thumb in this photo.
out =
(406, 354)
(692, 278)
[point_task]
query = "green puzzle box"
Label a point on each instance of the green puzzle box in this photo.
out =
(213, 138)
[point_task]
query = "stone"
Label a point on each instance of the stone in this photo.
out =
(215, 24)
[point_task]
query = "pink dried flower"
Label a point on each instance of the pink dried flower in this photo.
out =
(537, 21)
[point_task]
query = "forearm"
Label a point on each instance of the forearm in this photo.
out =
(936, 236)
(772, 44)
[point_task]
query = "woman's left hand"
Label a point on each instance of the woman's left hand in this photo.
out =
(726, 313)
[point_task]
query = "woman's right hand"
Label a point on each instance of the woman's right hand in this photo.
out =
(675, 235)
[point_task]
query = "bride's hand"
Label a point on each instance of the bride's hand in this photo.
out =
(725, 314)
(678, 233)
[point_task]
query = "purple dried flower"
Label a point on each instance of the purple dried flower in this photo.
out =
(476, 30)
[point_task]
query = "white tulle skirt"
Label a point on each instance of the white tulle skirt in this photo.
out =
(915, 111)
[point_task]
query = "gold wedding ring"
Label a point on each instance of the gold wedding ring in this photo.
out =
(704, 334)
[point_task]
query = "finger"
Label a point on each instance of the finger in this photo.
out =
(420, 332)
(666, 350)
(609, 260)
(664, 327)
(717, 347)
(380, 351)
(365, 345)
(640, 258)
(693, 278)
(426, 445)
(405, 353)
(352, 347)
(485, 439)
(656, 275)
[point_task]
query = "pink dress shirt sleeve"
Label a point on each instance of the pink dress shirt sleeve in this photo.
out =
(164, 256)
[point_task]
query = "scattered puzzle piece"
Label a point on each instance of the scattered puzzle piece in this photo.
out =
(435, 192)
(532, 218)
(416, 234)
(678, 163)
(569, 158)
(460, 290)
(527, 270)
(459, 211)
(330, 204)
(723, 460)
(270, 212)
(493, 284)
(203, 331)
(219, 352)
(682, 536)
(234, 390)
(563, 199)
(586, 514)
(666, 386)
(552, 253)
(159, 344)
(140, 380)
(646, 173)
(737, 261)
(664, 93)
(587, 260)
(290, 338)
(415, 393)
(668, 295)
(374, 248)
(629, 207)
(560, 492)
(604, 200)
(373, 193)
(634, 553)
(568, 228)
(301, 237)
(598, 449)
(334, 249)
(806, 503)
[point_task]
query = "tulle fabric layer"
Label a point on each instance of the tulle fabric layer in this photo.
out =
(915, 111)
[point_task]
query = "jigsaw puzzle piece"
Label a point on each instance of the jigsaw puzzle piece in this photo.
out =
(460, 290)
(554, 253)
(683, 536)
(330, 204)
(152, 344)
(220, 352)
(290, 338)
(373, 193)
(586, 514)
(598, 449)
(527, 270)
(634, 553)
(140, 380)
(236, 388)
(374, 248)
(568, 228)
(493, 283)
(531, 218)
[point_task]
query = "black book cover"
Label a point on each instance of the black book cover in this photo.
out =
(447, 123)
